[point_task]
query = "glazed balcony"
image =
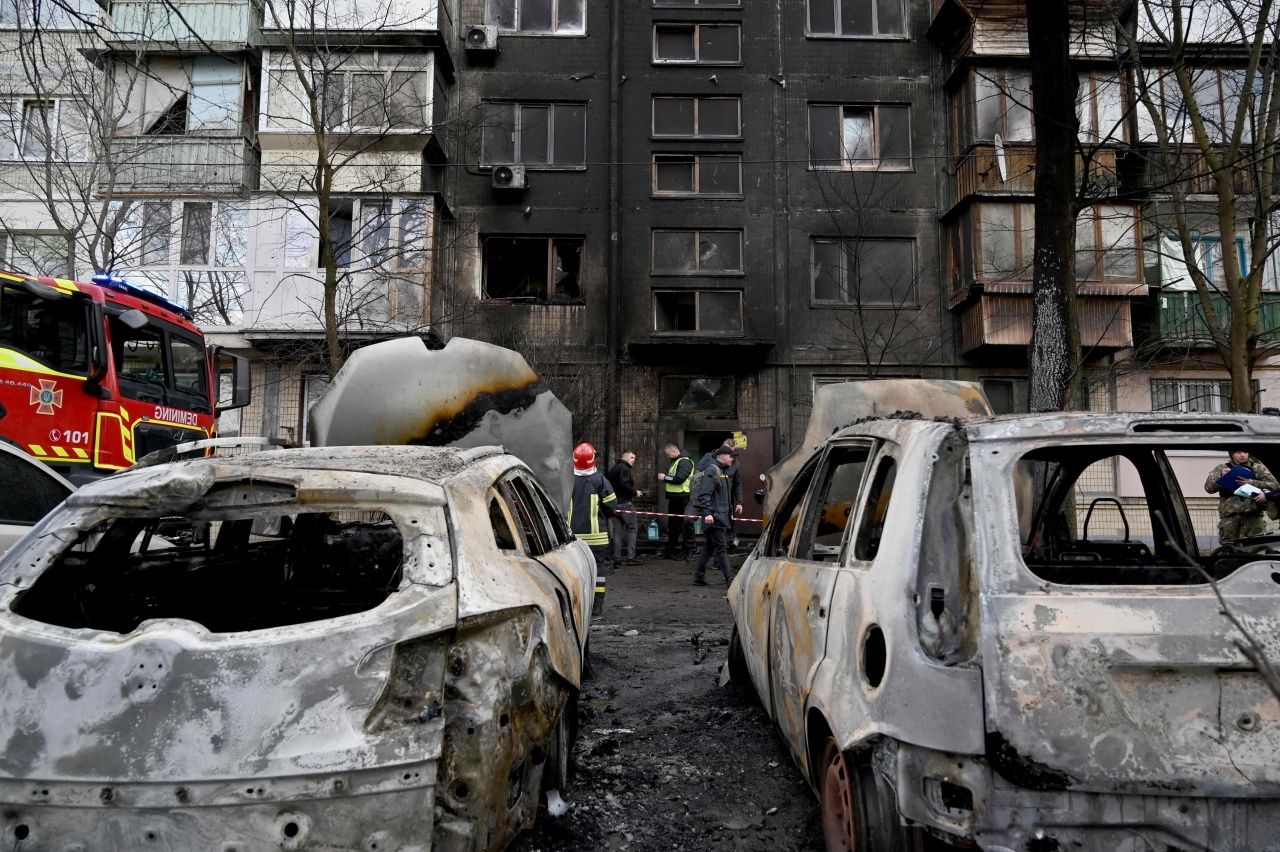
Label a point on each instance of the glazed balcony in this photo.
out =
(157, 164)
(997, 322)
(184, 24)
(978, 170)
(1181, 321)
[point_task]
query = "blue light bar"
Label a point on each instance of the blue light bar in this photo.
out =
(111, 282)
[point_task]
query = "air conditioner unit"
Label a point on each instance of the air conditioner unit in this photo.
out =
(481, 39)
(510, 177)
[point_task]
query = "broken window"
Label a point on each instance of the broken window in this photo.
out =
(227, 570)
(171, 122)
(785, 523)
(875, 511)
(696, 252)
(533, 269)
(864, 272)
(697, 174)
(498, 521)
(533, 134)
(698, 311)
(854, 18)
(551, 17)
(703, 44)
(1115, 513)
(831, 513)
(873, 137)
(703, 395)
(697, 118)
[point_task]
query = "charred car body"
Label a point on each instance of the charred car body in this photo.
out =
(357, 648)
(954, 639)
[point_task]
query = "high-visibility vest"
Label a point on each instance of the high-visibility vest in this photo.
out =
(683, 487)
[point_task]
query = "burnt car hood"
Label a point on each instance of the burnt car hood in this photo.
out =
(1134, 689)
(171, 701)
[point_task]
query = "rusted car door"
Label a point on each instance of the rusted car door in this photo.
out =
(801, 585)
(755, 585)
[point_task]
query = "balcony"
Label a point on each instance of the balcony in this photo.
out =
(978, 170)
(995, 321)
(424, 23)
(150, 164)
(1180, 319)
(1160, 170)
(184, 24)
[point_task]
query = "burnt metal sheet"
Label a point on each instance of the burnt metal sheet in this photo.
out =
(839, 404)
(468, 394)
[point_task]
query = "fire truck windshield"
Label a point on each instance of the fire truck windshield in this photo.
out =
(159, 363)
(53, 332)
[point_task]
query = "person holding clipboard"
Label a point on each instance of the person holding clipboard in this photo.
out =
(1238, 483)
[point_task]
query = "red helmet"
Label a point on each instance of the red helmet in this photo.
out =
(584, 457)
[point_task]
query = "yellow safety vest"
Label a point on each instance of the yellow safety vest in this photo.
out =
(683, 487)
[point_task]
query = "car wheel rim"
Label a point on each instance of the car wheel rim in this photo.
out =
(839, 825)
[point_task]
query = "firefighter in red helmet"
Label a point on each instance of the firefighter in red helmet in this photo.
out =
(590, 508)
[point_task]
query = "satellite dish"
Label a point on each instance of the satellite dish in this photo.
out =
(1002, 165)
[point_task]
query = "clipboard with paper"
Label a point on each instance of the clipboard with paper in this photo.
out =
(1230, 481)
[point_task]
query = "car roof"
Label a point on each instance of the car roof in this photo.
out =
(429, 464)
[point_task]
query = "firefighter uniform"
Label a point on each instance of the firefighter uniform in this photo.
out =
(590, 508)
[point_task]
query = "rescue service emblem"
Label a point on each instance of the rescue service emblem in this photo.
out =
(47, 397)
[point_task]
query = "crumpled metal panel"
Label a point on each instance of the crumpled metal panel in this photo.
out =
(839, 404)
(468, 394)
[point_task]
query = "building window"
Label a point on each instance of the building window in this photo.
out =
(697, 44)
(156, 216)
(1006, 240)
(859, 137)
(697, 174)
(1216, 92)
(857, 18)
(696, 252)
(1101, 109)
(1208, 396)
(722, 4)
(551, 17)
(36, 254)
(1007, 396)
(697, 118)
(535, 134)
(533, 269)
(871, 272)
(35, 16)
(697, 312)
(197, 228)
(37, 128)
(1107, 243)
(706, 395)
(369, 90)
(1002, 104)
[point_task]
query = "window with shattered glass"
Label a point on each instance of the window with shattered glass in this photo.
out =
(699, 394)
(533, 269)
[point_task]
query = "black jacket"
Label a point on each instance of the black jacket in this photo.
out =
(735, 475)
(714, 494)
(623, 484)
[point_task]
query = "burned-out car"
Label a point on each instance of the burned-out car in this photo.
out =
(371, 648)
(1002, 632)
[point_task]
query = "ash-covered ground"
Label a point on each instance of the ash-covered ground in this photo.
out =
(666, 758)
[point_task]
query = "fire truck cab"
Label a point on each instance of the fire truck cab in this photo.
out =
(95, 376)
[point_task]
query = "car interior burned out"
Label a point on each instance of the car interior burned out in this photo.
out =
(228, 574)
(1071, 535)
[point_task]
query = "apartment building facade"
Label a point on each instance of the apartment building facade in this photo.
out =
(688, 213)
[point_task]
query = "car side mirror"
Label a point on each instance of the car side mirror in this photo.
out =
(237, 367)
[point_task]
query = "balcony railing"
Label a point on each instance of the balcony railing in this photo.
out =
(1180, 318)
(386, 17)
(195, 22)
(164, 163)
(979, 170)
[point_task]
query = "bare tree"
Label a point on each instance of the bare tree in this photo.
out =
(359, 115)
(1208, 95)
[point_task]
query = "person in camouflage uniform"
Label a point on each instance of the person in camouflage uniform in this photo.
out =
(1240, 516)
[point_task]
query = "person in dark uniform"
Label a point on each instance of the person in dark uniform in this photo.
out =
(623, 526)
(715, 491)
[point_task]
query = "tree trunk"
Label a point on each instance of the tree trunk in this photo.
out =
(1055, 330)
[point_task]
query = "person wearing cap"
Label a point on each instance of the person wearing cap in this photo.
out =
(590, 507)
(735, 474)
(1239, 517)
(714, 501)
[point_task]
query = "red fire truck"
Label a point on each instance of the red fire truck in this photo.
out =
(95, 376)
